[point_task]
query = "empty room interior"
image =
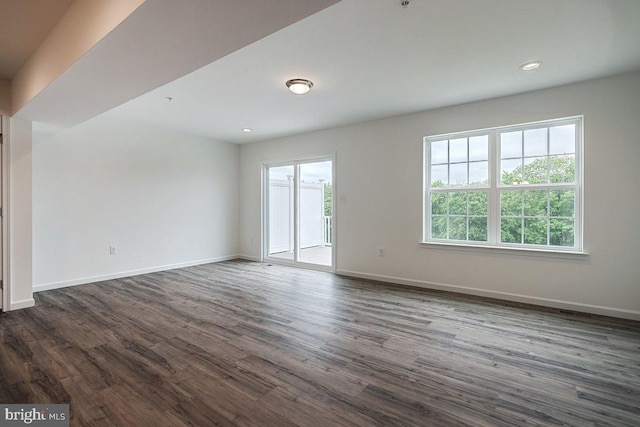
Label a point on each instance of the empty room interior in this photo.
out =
(320, 212)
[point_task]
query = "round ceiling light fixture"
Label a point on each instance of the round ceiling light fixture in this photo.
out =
(299, 86)
(530, 66)
(247, 130)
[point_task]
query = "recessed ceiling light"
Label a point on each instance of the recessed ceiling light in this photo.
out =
(299, 86)
(247, 130)
(530, 66)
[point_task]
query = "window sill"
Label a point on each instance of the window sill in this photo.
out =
(506, 250)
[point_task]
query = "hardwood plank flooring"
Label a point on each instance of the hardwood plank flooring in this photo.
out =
(242, 343)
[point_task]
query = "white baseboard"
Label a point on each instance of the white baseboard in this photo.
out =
(546, 302)
(119, 275)
(565, 305)
(25, 303)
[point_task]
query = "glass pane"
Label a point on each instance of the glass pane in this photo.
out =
(439, 176)
(562, 202)
(281, 173)
(280, 203)
(535, 170)
(535, 142)
(478, 229)
(562, 139)
(563, 169)
(479, 147)
(535, 231)
(511, 172)
(314, 213)
(511, 203)
(457, 203)
(478, 203)
(439, 152)
(562, 232)
(535, 203)
(458, 150)
(439, 227)
(458, 228)
(439, 203)
(511, 145)
(511, 230)
(458, 176)
(479, 173)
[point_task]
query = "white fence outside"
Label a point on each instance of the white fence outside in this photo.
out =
(280, 216)
(315, 227)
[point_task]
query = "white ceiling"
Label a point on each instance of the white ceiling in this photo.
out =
(157, 43)
(25, 24)
(372, 58)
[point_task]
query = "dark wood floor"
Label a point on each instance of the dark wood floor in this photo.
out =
(241, 343)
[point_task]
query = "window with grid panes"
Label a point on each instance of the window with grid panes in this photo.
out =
(514, 186)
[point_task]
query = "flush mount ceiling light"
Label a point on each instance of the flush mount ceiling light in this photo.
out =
(530, 66)
(299, 86)
(247, 130)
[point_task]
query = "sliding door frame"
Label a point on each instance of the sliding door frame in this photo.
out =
(264, 234)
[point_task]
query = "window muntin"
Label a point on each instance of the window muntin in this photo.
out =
(460, 162)
(459, 215)
(538, 217)
(459, 169)
(540, 155)
(526, 177)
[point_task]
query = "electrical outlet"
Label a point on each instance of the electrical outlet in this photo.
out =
(251, 240)
(381, 251)
(113, 250)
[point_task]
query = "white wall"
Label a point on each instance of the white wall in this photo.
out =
(379, 171)
(19, 218)
(166, 200)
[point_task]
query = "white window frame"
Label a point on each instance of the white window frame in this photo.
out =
(494, 187)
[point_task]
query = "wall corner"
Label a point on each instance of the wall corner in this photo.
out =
(19, 214)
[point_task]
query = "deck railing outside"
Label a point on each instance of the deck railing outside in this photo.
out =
(328, 230)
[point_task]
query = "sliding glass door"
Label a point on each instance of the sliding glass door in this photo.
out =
(281, 212)
(298, 214)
